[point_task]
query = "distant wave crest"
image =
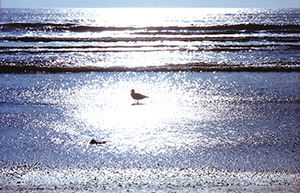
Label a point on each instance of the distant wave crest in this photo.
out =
(234, 28)
(188, 67)
(150, 38)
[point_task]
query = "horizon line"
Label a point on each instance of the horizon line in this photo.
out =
(151, 7)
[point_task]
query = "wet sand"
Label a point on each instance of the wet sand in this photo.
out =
(35, 179)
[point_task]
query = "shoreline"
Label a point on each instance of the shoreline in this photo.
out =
(36, 179)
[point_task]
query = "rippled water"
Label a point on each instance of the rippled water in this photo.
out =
(198, 39)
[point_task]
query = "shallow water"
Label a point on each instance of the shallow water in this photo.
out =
(231, 121)
(197, 132)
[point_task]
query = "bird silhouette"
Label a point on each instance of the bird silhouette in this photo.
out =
(94, 142)
(137, 96)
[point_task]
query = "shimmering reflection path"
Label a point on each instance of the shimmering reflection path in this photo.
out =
(230, 121)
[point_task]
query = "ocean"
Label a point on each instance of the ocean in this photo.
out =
(222, 114)
(145, 39)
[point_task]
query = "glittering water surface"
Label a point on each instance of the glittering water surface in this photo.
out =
(190, 120)
(196, 132)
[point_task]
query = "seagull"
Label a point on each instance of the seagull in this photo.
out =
(137, 96)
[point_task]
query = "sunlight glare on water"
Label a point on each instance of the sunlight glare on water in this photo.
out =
(103, 109)
(145, 17)
(189, 119)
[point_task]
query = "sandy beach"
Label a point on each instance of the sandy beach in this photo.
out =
(35, 179)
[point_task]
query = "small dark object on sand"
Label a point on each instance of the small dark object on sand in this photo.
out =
(94, 142)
